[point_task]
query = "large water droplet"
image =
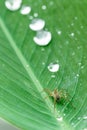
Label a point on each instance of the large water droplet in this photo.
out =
(37, 24)
(53, 67)
(42, 38)
(25, 10)
(13, 5)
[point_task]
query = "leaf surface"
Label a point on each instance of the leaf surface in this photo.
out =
(23, 66)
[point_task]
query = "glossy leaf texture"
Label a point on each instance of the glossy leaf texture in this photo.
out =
(24, 66)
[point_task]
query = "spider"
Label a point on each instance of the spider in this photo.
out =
(59, 96)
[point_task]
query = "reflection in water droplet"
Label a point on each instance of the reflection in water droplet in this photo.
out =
(37, 24)
(44, 7)
(13, 5)
(60, 118)
(25, 10)
(53, 67)
(42, 38)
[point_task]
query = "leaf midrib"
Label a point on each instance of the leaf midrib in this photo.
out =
(30, 73)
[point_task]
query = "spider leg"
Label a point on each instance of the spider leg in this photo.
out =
(54, 104)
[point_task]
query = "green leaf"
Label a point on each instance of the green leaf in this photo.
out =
(23, 67)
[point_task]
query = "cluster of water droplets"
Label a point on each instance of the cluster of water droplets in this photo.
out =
(42, 37)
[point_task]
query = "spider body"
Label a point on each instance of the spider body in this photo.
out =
(57, 95)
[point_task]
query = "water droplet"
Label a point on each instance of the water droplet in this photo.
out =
(31, 17)
(79, 118)
(51, 3)
(77, 75)
(72, 24)
(13, 5)
(72, 34)
(60, 118)
(75, 17)
(43, 63)
(35, 14)
(42, 38)
(27, 65)
(53, 67)
(64, 114)
(59, 32)
(37, 24)
(79, 63)
(44, 7)
(85, 117)
(82, 67)
(72, 124)
(25, 10)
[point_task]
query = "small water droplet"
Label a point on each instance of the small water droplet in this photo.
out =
(27, 66)
(37, 24)
(53, 67)
(25, 10)
(64, 114)
(43, 63)
(60, 118)
(85, 117)
(13, 5)
(51, 3)
(77, 75)
(75, 17)
(30, 17)
(79, 118)
(72, 124)
(44, 7)
(72, 24)
(82, 27)
(42, 38)
(35, 14)
(82, 67)
(59, 32)
(79, 63)
(72, 34)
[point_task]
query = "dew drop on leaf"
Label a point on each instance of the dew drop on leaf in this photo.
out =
(13, 5)
(35, 14)
(44, 7)
(53, 67)
(25, 10)
(37, 24)
(60, 118)
(72, 34)
(42, 38)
